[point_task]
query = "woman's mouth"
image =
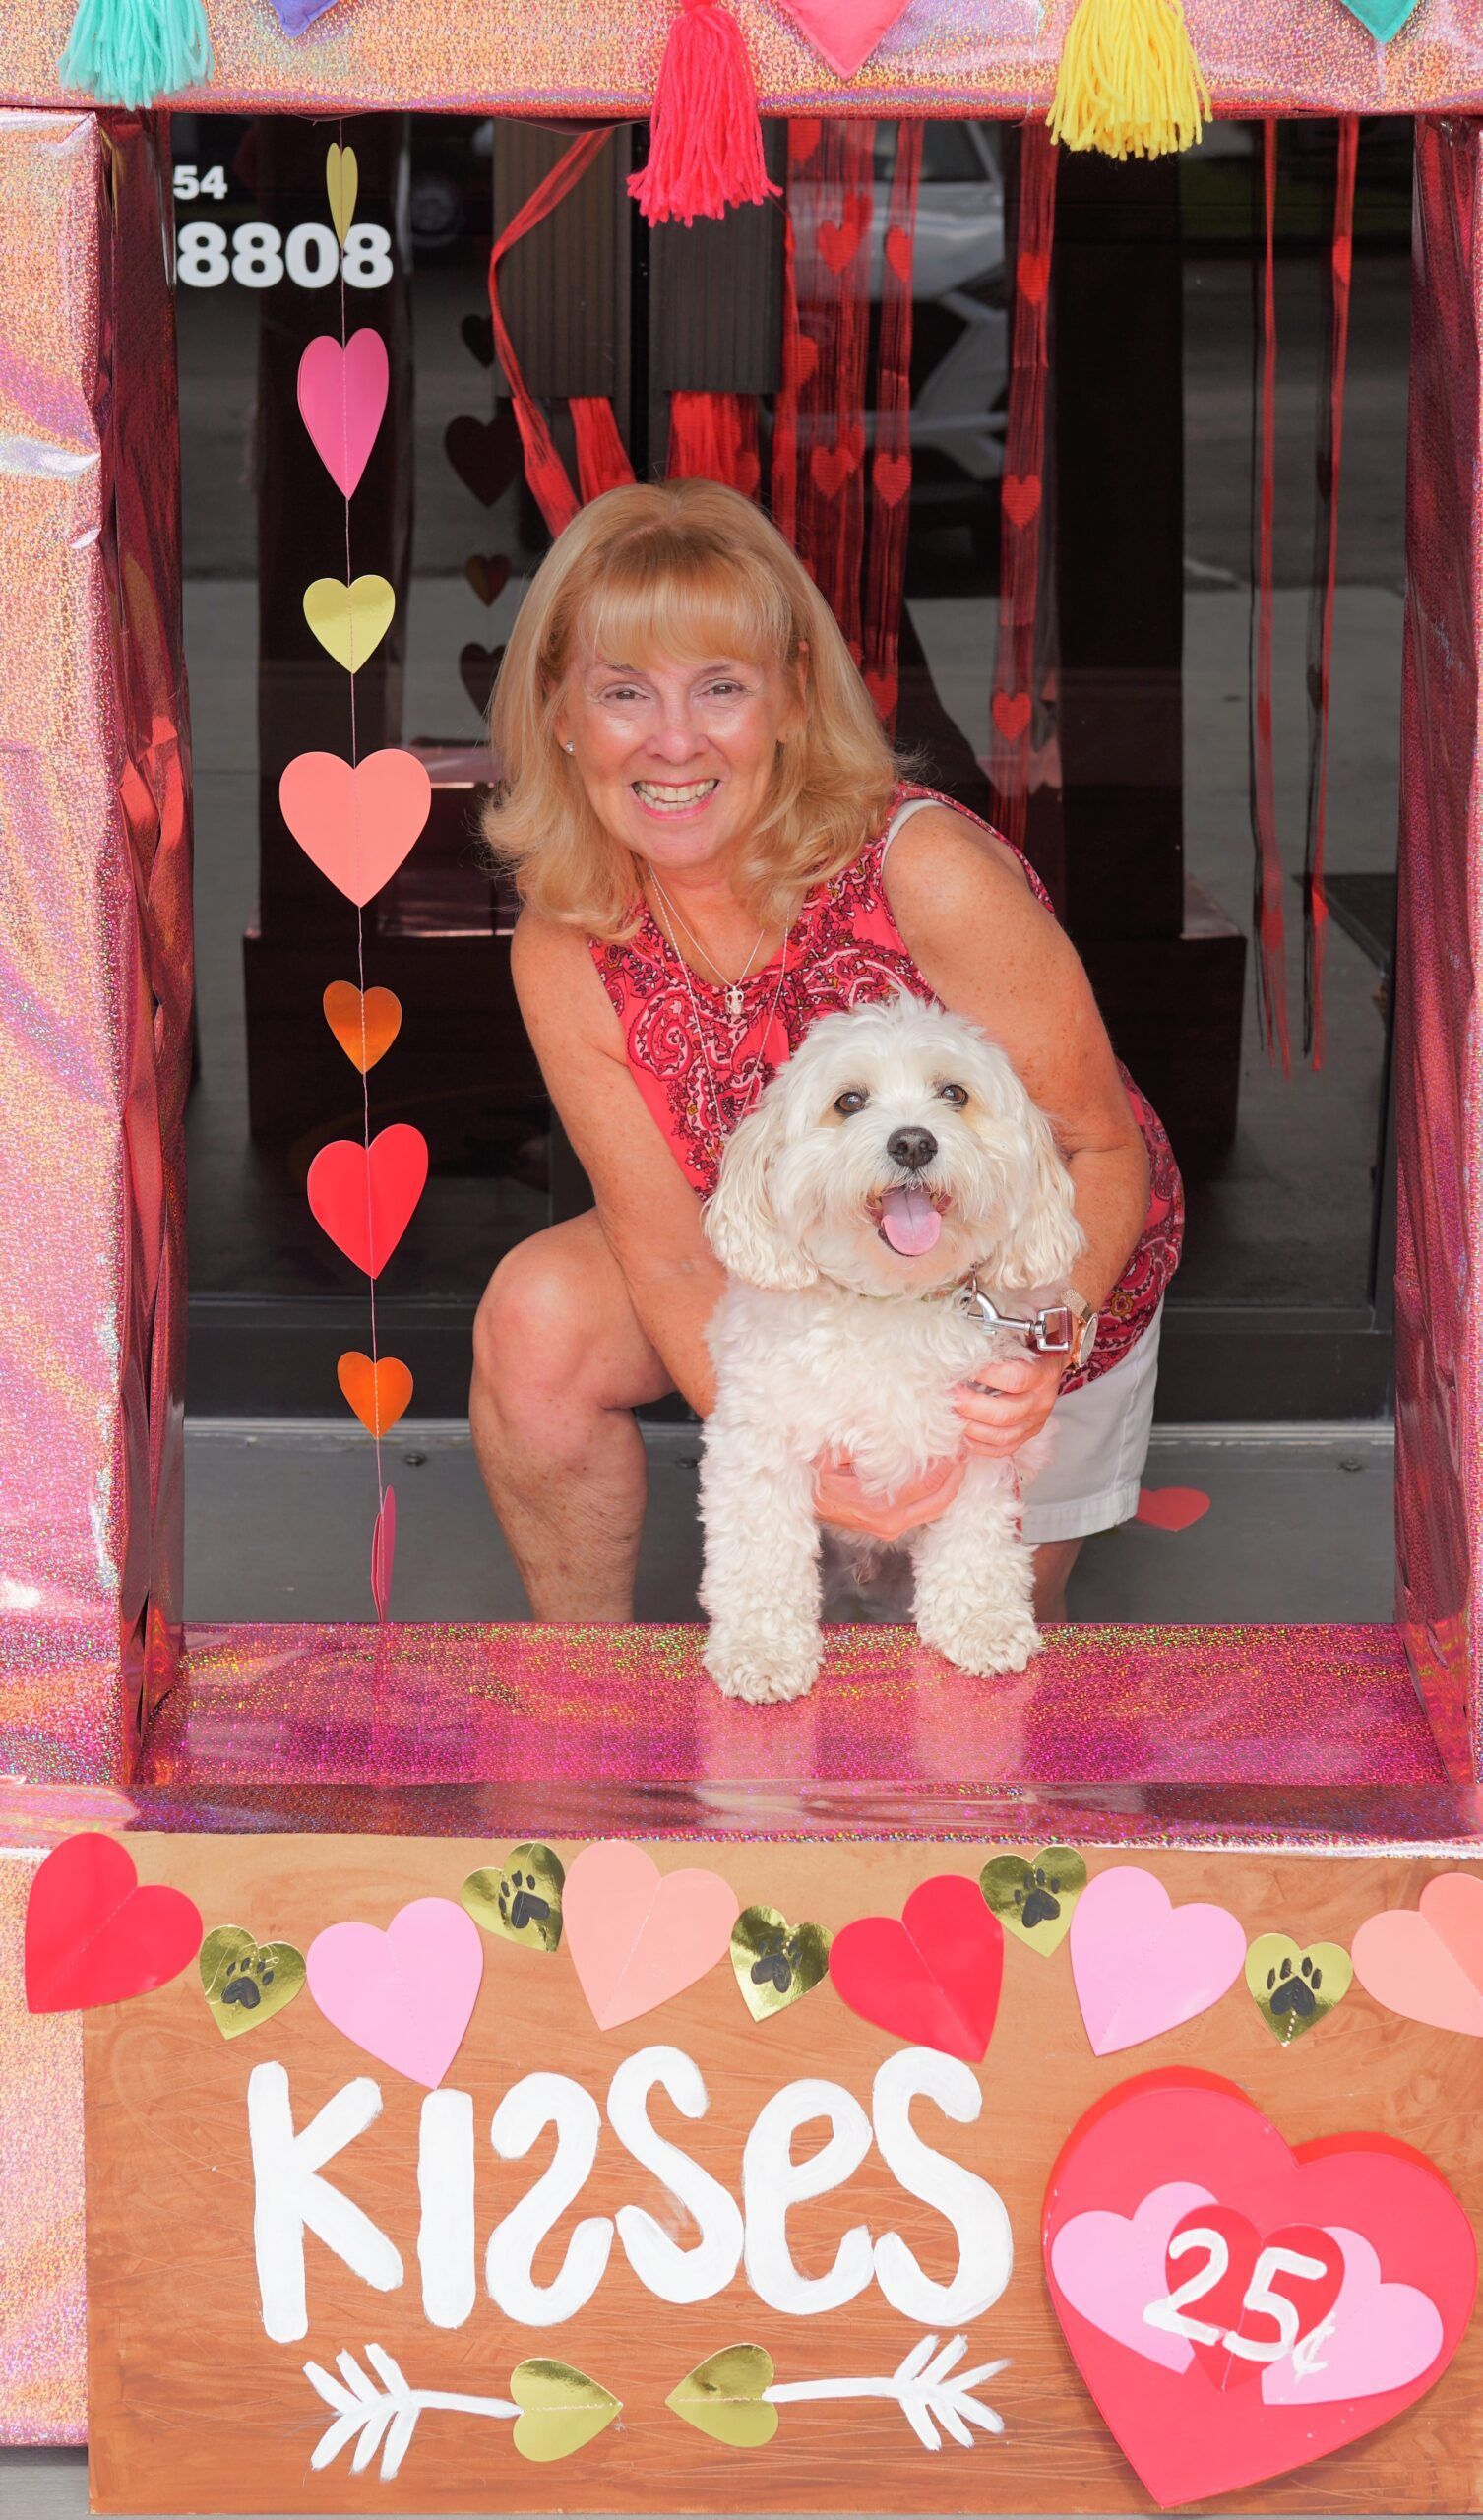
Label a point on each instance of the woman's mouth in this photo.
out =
(657, 797)
(908, 1220)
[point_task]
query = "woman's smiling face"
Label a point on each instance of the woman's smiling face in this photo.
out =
(677, 759)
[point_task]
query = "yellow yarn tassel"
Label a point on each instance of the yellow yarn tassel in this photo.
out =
(1129, 82)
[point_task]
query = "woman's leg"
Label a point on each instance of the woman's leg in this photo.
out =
(1054, 1560)
(560, 1364)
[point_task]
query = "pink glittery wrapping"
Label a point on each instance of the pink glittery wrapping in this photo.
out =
(1437, 1046)
(43, 2301)
(977, 56)
(94, 944)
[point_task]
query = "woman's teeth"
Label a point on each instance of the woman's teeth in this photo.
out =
(672, 799)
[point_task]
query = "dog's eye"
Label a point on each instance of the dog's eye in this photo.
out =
(956, 1094)
(850, 1102)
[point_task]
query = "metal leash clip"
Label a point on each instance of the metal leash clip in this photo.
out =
(1049, 1333)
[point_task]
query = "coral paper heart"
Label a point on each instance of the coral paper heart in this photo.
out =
(844, 31)
(364, 1026)
(932, 1975)
(1171, 1509)
(356, 820)
(1169, 2153)
(379, 1393)
(1142, 1966)
(406, 1995)
(94, 1936)
(349, 621)
(1426, 1962)
(364, 1195)
(341, 395)
(638, 1935)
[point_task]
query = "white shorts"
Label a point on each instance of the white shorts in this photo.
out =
(1100, 1438)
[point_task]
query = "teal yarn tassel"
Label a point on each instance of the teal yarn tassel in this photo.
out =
(129, 52)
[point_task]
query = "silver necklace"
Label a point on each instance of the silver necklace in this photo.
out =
(751, 1083)
(736, 1004)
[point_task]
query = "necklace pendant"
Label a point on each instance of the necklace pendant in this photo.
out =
(736, 1004)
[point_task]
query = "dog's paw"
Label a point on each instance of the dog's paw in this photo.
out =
(761, 1669)
(987, 1647)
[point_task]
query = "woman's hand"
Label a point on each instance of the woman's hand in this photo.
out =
(1008, 1401)
(840, 1498)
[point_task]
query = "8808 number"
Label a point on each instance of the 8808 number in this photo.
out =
(258, 255)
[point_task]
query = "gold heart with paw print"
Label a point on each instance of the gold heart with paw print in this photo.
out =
(522, 1900)
(1293, 1984)
(1033, 1896)
(245, 1981)
(560, 2409)
(777, 1963)
(725, 2396)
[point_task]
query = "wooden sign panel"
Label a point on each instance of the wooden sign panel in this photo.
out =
(867, 2228)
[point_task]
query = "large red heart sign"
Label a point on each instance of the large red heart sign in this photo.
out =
(932, 1975)
(94, 1936)
(1239, 2308)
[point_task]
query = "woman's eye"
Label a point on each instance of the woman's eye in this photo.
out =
(848, 1104)
(956, 1094)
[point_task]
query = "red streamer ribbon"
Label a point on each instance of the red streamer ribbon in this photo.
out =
(713, 437)
(1012, 705)
(1330, 450)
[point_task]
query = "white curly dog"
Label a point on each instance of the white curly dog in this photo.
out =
(894, 1155)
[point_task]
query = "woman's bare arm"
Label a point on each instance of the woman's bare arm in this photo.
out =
(648, 1210)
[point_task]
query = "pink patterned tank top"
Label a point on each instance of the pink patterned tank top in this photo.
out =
(846, 950)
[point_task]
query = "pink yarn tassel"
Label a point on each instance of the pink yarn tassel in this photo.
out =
(705, 150)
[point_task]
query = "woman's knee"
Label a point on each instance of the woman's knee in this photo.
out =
(533, 1328)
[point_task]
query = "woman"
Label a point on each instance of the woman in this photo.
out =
(698, 808)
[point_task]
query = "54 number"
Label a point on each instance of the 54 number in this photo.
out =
(190, 183)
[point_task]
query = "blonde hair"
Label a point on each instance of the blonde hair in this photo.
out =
(689, 570)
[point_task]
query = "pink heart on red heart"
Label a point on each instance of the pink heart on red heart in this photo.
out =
(364, 1195)
(844, 31)
(341, 395)
(93, 1935)
(931, 1976)
(356, 820)
(1172, 2154)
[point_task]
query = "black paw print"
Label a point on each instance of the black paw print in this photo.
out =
(1039, 1904)
(1295, 1994)
(246, 1981)
(521, 1902)
(773, 1965)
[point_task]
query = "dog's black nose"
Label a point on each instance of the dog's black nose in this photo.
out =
(911, 1147)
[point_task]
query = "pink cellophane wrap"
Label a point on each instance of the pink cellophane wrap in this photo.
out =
(95, 945)
(971, 56)
(1440, 1108)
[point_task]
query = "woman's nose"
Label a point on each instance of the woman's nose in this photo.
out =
(676, 738)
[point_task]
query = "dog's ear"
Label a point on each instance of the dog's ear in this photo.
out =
(1043, 1239)
(741, 1225)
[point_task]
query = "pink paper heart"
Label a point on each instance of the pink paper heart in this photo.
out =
(1171, 1509)
(1426, 1962)
(356, 820)
(1141, 1965)
(384, 1553)
(638, 1935)
(845, 31)
(406, 1995)
(364, 1196)
(1111, 2266)
(1383, 2337)
(342, 394)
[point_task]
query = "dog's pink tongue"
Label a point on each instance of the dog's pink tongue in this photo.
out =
(910, 1221)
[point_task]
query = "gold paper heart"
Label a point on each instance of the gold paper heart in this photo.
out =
(561, 2409)
(725, 2396)
(1294, 1985)
(522, 1902)
(777, 1963)
(244, 1982)
(349, 621)
(1033, 1896)
(342, 183)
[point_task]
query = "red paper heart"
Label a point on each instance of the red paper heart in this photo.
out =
(1011, 714)
(1033, 275)
(1021, 496)
(931, 1977)
(1411, 2274)
(364, 1196)
(94, 1936)
(893, 478)
(1171, 1509)
(898, 252)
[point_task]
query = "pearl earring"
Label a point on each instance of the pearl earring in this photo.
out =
(569, 747)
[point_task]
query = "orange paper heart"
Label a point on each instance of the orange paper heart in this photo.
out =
(379, 1393)
(364, 1027)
